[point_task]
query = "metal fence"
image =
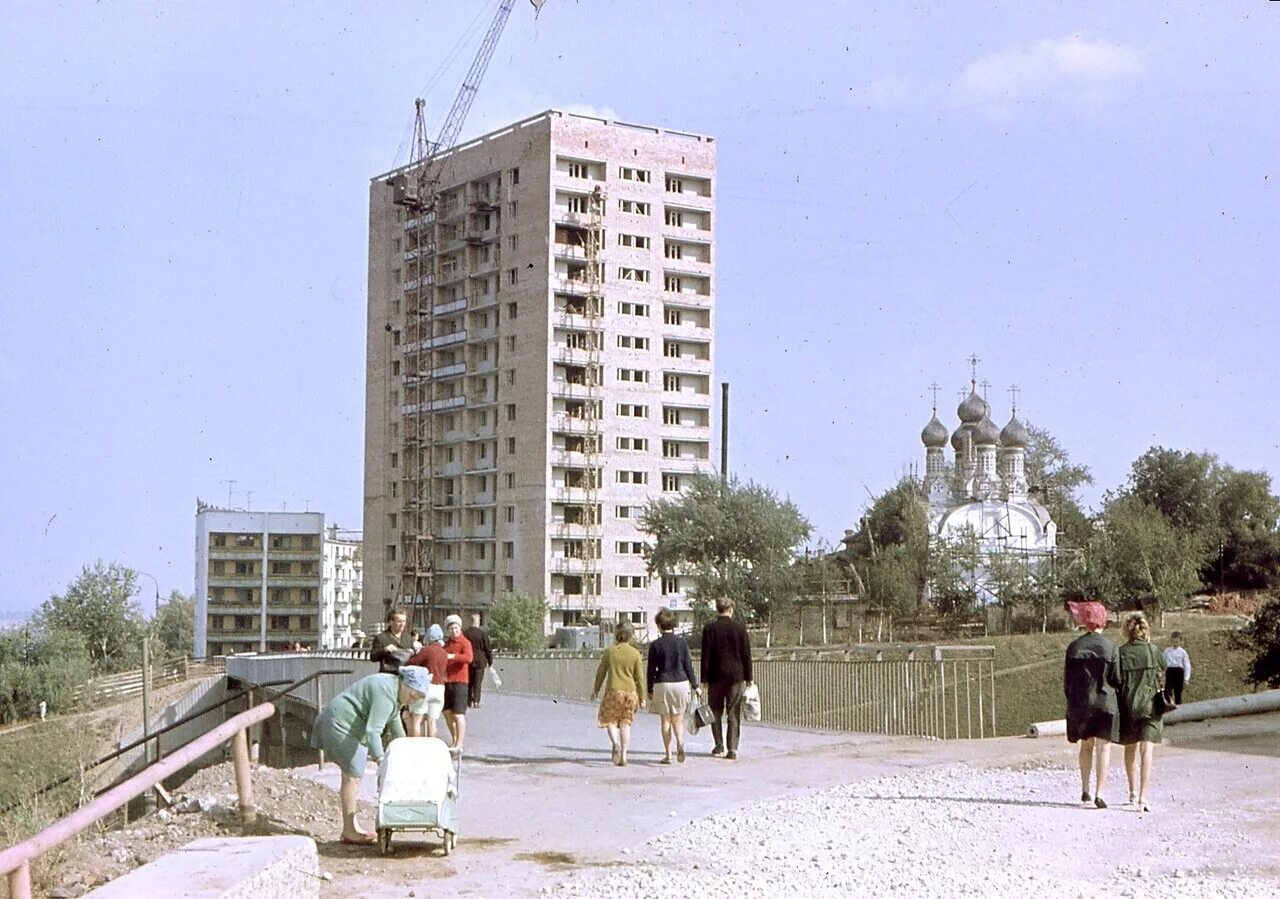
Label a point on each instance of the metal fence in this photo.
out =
(287, 667)
(946, 692)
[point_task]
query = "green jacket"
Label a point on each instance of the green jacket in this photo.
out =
(621, 670)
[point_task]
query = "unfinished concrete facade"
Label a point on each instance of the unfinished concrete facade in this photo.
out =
(551, 423)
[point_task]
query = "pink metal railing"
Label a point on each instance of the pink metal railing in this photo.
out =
(15, 862)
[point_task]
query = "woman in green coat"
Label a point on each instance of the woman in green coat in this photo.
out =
(1141, 678)
(350, 728)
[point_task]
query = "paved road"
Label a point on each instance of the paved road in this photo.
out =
(540, 796)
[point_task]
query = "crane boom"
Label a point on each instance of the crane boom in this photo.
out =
(418, 190)
(462, 103)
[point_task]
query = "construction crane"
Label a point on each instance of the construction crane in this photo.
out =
(415, 188)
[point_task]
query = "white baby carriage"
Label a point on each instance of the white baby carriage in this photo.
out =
(418, 790)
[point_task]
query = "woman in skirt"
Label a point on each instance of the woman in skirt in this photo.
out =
(621, 673)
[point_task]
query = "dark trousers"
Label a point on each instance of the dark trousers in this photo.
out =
(726, 702)
(1175, 679)
(477, 682)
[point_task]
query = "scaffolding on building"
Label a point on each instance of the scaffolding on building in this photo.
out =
(594, 406)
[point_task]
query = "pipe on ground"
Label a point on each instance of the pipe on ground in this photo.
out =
(1226, 707)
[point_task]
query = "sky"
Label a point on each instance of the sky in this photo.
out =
(1083, 195)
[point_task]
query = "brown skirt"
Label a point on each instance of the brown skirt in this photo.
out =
(617, 708)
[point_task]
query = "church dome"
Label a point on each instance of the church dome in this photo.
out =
(957, 437)
(985, 432)
(973, 409)
(934, 434)
(1014, 434)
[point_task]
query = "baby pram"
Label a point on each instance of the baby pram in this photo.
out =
(418, 790)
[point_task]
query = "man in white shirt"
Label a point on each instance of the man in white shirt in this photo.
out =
(1177, 666)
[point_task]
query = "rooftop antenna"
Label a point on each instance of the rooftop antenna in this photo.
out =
(230, 484)
(248, 500)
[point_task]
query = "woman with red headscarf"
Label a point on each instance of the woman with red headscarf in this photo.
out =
(1090, 679)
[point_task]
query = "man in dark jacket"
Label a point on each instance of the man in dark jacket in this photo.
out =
(726, 669)
(482, 658)
(392, 647)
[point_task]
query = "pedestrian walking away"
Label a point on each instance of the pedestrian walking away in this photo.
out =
(350, 727)
(672, 681)
(726, 669)
(457, 673)
(1090, 679)
(482, 658)
(1177, 667)
(621, 674)
(1141, 727)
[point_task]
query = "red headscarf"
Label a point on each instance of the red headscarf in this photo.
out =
(1091, 614)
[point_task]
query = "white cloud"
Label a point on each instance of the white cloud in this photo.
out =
(1072, 66)
(885, 92)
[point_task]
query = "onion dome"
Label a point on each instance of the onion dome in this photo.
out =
(1014, 434)
(934, 434)
(985, 432)
(957, 437)
(973, 409)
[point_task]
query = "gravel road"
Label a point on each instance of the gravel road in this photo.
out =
(947, 831)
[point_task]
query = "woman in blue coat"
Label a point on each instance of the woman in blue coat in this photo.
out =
(350, 728)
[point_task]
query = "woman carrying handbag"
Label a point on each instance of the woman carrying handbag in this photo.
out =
(1141, 724)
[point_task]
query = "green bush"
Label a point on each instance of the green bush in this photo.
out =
(516, 623)
(1263, 637)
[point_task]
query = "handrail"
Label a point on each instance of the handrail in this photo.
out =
(154, 735)
(15, 862)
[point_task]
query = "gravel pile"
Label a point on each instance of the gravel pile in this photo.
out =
(951, 831)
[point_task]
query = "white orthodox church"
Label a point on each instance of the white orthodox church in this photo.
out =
(986, 490)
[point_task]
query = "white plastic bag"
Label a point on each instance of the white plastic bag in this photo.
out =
(497, 681)
(751, 702)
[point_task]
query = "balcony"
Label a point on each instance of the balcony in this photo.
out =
(448, 371)
(450, 307)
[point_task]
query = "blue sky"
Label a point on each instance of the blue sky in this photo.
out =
(1085, 196)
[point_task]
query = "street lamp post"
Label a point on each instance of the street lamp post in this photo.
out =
(146, 684)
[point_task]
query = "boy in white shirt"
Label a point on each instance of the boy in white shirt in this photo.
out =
(1177, 667)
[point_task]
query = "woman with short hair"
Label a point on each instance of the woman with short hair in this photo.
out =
(671, 680)
(1141, 727)
(621, 673)
(349, 730)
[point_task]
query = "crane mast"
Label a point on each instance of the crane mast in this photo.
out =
(414, 189)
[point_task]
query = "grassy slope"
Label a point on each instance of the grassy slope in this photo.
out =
(1030, 689)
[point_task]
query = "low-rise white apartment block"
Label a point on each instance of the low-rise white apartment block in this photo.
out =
(270, 581)
(521, 407)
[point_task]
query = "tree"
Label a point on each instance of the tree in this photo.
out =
(1181, 486)
(1138, 555)
(36, 667)
(175, 623)
(734, 540)
(1249, 542)
(955, 571)
(1049, 468)
(1231, 515)
(891, 548)
(99, 606)
(1263, 635)
(516, 623)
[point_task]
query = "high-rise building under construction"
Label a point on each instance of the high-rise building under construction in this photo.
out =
(539, 366)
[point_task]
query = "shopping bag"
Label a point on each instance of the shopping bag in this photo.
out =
(751, 702)
(493, 673)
